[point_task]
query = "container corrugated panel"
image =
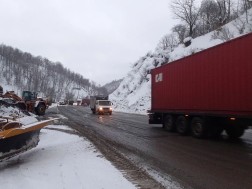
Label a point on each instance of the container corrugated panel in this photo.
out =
(217, 80)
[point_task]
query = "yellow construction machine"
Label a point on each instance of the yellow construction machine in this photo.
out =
(16, 138)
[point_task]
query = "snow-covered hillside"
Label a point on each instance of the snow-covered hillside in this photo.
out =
(112, 86)
(63, 92)
(133, 94)
(21, 71)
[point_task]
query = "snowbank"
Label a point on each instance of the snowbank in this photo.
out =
(61, 160)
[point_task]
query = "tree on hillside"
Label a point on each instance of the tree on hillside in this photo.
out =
(180, 30)
(209, 15)
(69, 96)
(186, 11)
(28, 72)
(246, 4)
(168, 42)
(224, 11)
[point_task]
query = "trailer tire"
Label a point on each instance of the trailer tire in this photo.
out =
(234, 131)
(168, 124)
(199, 127)
(182, 125)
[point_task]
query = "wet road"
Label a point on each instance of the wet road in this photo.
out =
(194, 163)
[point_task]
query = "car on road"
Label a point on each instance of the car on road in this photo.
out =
(62, 102)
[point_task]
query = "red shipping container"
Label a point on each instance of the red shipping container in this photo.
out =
(216, 81)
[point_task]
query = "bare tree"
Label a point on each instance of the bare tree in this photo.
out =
(209, 15)
(180, 30)
(223, 34)
(69, 95)
(224, 11)
(240, 25)
(246, 4)
(168, 42)
(186, 11)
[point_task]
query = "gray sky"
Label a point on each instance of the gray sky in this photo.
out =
(99, 39)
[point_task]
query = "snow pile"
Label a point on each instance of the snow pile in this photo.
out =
(10, 112)
(68, 162)
(27, 120)
(15, 113)
(133, 94)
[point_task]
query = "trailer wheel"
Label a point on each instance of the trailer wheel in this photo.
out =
(168, 124)
(182, 125)
(198, 127)
(235, 131)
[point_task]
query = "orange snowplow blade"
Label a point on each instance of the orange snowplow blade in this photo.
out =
(31, 127)
(16, 138)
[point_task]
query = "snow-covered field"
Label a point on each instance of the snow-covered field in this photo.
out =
(61, 160)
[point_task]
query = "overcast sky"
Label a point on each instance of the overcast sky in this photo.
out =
(99, 39)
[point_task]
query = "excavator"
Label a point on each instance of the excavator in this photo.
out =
(16, 136)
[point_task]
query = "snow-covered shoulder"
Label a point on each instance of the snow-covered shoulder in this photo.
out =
(61, 160)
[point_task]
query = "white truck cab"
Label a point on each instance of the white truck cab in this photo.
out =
(103, 106)
(100, 105)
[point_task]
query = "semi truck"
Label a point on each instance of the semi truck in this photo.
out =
(207, 92)
(100, 105)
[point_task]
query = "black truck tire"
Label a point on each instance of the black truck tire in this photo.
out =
(168, 124)
(199, 127)
(182, 125)
(234, 131)
(40, 109)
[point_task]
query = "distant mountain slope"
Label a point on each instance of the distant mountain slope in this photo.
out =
(133, 94)
(23, 71)
(112, 86)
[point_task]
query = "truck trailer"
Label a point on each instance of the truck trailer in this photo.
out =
(207, 92)
(100, 105)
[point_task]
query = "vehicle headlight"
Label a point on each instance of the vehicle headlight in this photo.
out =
(110, 109)
(100, 108)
